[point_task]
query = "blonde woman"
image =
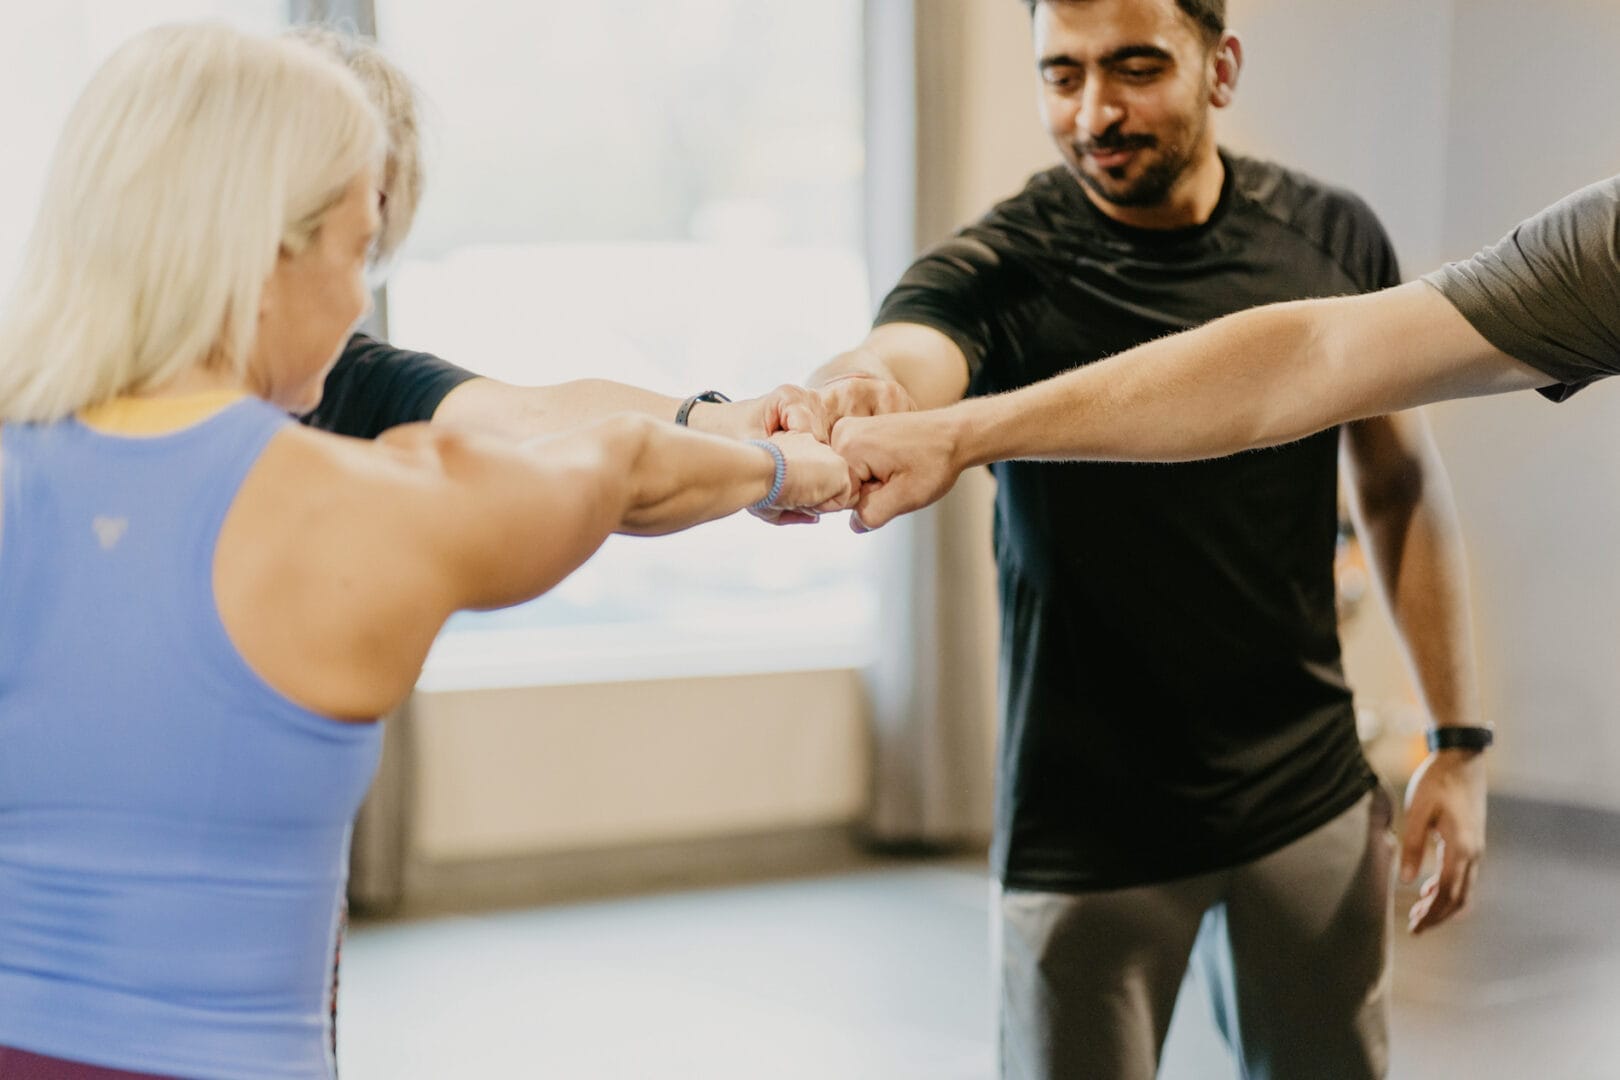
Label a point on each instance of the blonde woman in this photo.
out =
(206, 604)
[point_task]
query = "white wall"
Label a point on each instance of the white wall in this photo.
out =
(1533, 90)
(1532, 96)
(1355, 94)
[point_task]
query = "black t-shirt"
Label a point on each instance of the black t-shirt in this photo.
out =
(374, 386)
(1172, 695)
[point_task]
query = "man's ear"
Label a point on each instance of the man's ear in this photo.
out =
(1228, 61)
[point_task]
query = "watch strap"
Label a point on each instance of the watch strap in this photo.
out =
(1460, 738)
(712, 397)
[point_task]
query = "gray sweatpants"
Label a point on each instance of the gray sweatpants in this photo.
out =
(1294, 946)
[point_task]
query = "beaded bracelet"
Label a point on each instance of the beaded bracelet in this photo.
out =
(781, 474)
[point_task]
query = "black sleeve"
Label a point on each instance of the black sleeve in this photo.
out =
(972, 291)
(1548, 294)
(1383, 267)
(943, 289)
(1353, 234)
(374, 386)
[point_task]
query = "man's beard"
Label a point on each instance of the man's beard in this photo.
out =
(1158, 179)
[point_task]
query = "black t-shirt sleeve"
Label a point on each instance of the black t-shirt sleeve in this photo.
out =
(980, 288)
(1383, 267)
(1350, 232)
(1548, 294)
(951, 289)
(374, 386)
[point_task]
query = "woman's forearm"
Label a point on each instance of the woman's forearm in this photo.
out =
(675, 478)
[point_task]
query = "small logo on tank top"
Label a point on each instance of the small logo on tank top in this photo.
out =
(109, 531)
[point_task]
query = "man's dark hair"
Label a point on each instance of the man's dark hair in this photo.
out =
(1208, 15)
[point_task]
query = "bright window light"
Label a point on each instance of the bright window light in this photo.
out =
(47, 53)
(667, 194)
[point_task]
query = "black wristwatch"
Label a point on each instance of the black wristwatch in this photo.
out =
(712, 397)
(1460, 738)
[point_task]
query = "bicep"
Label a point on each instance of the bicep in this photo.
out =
(498, 408)
(528, 412)
(1409, 346)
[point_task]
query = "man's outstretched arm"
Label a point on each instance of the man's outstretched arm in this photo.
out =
(524, 412)
(375, 386)
(1257, 378)
(900, 366)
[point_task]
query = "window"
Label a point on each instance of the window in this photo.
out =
(667, 194)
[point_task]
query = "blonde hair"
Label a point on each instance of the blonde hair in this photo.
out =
(193, 159)
(392, 92)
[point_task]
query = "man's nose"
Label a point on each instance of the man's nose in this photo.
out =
(1100, 108)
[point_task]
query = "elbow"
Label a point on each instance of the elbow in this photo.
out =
(625, 440)
(1310, 362)
(626, 447)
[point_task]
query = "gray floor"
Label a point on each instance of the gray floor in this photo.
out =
(883, 975)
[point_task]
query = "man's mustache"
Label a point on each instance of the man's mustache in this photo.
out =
(1110, 142)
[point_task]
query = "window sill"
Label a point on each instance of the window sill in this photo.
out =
(561, 656)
